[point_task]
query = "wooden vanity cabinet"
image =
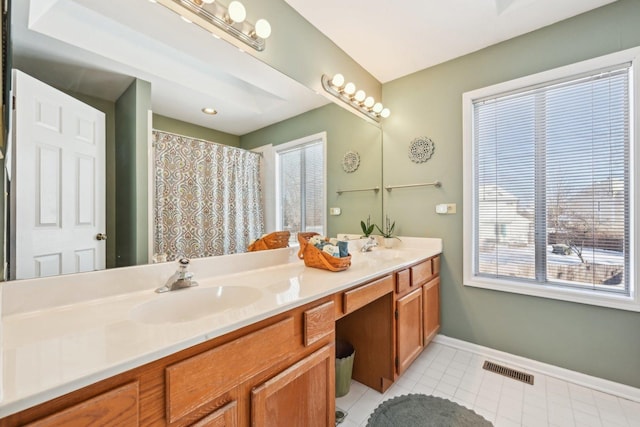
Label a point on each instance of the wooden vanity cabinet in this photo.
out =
(409, 335)
(431, 309)
(417, 310)
(279, 371)
(275, 369)
(302, 395)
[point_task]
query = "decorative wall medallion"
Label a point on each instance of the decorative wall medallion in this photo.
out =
(350, 161)
(421, 149)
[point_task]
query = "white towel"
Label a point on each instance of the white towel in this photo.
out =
(331, 250)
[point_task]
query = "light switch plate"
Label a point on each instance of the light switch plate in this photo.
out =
(334, 211)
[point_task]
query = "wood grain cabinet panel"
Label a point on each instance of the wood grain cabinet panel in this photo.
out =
(118, 407)
(403, 281)
(435, 261)
(422, 272)
(302, 395)
(409, 335)
(198, 380)
(431, 307)
(319, 322)
(363, 295)
(227, 416)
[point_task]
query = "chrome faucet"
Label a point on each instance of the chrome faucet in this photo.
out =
(369, 244)
(180, 279)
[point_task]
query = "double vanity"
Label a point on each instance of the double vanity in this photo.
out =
(252, 344)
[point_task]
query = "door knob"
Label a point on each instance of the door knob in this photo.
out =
(101, 236)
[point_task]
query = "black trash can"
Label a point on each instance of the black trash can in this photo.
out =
(344, 366)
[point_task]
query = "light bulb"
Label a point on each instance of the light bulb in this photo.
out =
(385, 113)
(350, 88)
(377, 108)
(369, 101)
(263, 28)
(337, 80)
(237, 12)
(360, 95)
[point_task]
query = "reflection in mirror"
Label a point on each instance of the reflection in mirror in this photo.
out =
(125, 64)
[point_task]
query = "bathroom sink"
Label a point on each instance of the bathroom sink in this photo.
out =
(191, 304)
(384, 253)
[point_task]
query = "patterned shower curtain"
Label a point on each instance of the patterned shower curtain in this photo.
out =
(207, 197)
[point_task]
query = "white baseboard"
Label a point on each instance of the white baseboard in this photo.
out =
(605, 386)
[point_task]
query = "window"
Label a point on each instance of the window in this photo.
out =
(549, 179)
(300, 182)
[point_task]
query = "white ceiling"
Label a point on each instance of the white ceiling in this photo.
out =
(391, 39)
(98, 47)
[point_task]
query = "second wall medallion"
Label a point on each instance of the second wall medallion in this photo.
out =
(350, 161)
(421, 149)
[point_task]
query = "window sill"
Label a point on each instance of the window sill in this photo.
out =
(572, 295)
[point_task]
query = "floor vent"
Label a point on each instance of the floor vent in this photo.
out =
(508, 372)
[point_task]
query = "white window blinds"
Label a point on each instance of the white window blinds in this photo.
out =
(301, 188)
(551, 184)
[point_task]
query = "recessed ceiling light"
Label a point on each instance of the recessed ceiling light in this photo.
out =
(210, 111)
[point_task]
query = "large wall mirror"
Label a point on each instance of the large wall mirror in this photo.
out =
(125, 58)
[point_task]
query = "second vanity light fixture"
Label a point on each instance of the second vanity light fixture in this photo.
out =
(230, 19)
(357, 99)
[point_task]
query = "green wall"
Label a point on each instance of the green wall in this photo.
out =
(345, 132)
(132, 174)
(594, 340)
(179, 127)
(297, 49)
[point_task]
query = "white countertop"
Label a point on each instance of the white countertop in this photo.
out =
(61, 334)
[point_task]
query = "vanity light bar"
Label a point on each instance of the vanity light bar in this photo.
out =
(356, 99)
(213, 13)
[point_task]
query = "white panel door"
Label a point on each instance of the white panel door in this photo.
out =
(58, 182)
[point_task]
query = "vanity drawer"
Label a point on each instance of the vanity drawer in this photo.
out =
(198, 380)
(422, 272)
(435, 261)
(227, 416)
(116, 407)
(403, 281)
(363, 295)
(319, 322)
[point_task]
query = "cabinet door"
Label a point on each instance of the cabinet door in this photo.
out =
(431, 302)
(409, 338)
(302, 395)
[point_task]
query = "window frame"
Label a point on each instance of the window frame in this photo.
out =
(631, 302)
(288, 146)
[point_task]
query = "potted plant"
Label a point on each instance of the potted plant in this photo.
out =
(387, 232)
(367, 228)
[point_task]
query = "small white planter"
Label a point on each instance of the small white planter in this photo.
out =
(388, 242)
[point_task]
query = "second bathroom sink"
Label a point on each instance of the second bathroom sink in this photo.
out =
(191, 304)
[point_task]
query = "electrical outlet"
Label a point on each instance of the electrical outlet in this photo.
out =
(446, 208)
(334, 211)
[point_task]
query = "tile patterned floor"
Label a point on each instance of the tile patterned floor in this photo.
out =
(458, 375)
